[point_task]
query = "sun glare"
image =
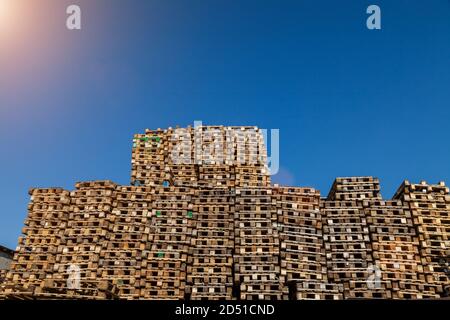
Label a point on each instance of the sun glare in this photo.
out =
(6, 8)
(6, 16)
(3, 5)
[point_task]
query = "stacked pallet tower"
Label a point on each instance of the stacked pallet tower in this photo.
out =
(148, 166)
(429, 205)
(85, 237)
(123, 259)
(201, 220)
(180, 159)
(58, 255)
(257, 247)
(36, 253)
(246, 148)
(346, 236)
(395, 250)
(303, 262)
(210, 270)
(170, 181)
(212, 151)
(172, 223)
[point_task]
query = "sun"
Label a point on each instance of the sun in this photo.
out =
(5, 7)
(6, 14)
(4, 4)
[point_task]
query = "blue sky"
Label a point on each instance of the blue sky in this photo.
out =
(347, 100)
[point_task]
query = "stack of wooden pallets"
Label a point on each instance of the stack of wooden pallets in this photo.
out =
(85, 237)
(58, 256)
(95, 290)
(355, 189)
(122, 257)
(180, 159)
(303, 263)
(216, 176)
(249, 157)
(209, 145)
(183, 175)
(347, 241)
(36, 254)
(430, 209)
(257, 247)
(172, 223)
(210, 269)
(202, 221)
(252, 176)
(395, 249)
(316, 290)
(148, 158)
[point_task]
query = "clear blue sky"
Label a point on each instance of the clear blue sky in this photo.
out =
(347, 101)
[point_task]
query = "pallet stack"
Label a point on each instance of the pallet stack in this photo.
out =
(395, 249)
(129, 231)
(346, 236)
(184, 175)
(202, 221)
(180, 159)
(355, 189)
(85, 238)
(257, 247)
(58, 290)
(148, 158)
(36, 254)
(210, 268)
(250, 156)
(430, 209)
(256, 261)
(252, 176)
(303, 262)
(172, 222)
(209, 145)
(217, 176)
(212, 157)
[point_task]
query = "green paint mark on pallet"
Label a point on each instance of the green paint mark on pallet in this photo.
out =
(160, 254)
(189, 214)
(158, 213)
